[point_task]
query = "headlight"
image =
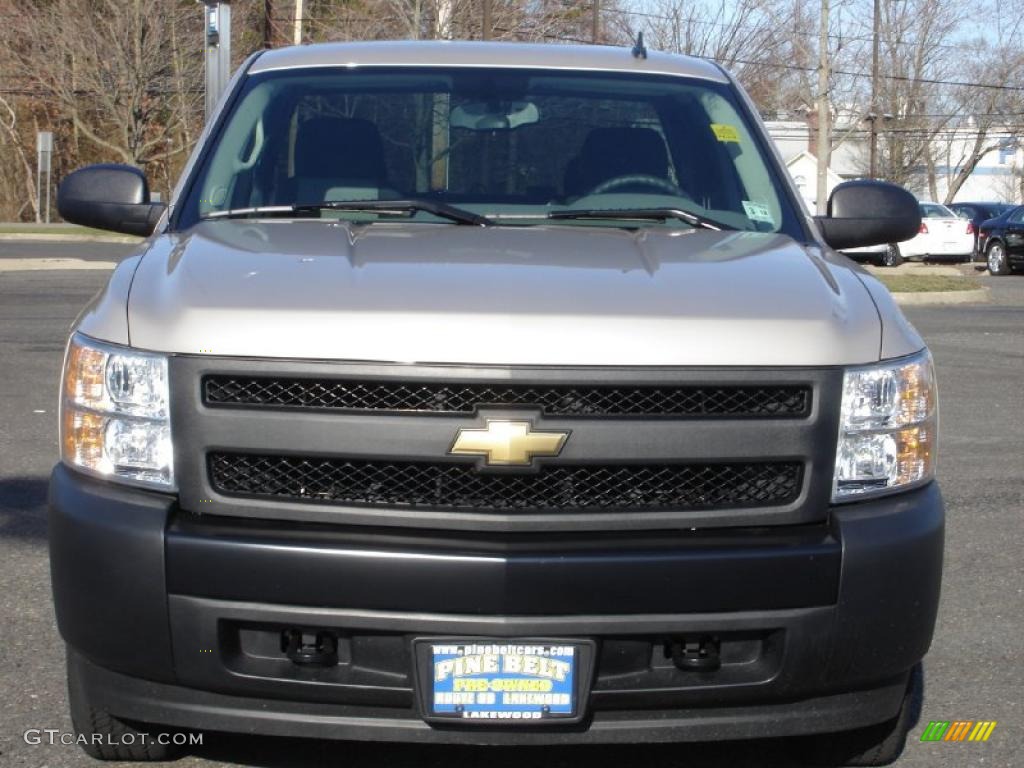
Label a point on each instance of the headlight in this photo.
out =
(887, 430)
(115, 420)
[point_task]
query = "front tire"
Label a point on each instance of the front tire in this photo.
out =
(998, 263)
(875, 745)
(105, 737)
(891, 257)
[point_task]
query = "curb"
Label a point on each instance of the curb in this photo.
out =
(52, 264)
(48, 237)
(974, 296)
(915, 268)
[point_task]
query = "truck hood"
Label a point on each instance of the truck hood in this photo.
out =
(545, 295)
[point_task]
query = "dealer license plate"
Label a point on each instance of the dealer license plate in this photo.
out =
(503, 680)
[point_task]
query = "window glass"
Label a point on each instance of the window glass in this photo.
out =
(936, 211)
(505, 143)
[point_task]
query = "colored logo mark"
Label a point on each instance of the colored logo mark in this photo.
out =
(958, 730)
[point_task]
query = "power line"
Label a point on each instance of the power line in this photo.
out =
(743, 62)
(909, 132)
(794, 67)
(966, 115)
(810, 35)
(847, 73)
(936, 81)
(798, 68)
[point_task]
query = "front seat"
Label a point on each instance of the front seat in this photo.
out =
(338, 158)
(608, 153)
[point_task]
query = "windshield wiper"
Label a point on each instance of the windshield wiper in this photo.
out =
(443, 210)
(639, 214)
(242, 213)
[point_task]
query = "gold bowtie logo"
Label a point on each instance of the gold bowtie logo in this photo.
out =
(508, 443)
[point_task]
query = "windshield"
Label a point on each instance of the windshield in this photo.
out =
(511, 145)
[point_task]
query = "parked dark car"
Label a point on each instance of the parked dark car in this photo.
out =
(1001, 241)
(977, 214)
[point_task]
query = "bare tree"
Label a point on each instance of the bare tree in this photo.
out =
(122, 79)
(744, 35)
(534, 20)
(915, 41)
(117, 71)
(12, 139)
(989, 119)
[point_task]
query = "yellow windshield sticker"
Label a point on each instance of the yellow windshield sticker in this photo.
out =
(725, 132)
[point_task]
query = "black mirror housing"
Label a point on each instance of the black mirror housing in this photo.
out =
(868, 212)
(109, 196)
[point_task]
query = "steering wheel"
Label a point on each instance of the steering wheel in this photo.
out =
(636, 178)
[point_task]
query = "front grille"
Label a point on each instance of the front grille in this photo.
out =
(734, 401)
(442, 485)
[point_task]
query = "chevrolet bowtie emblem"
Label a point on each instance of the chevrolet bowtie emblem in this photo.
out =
(508, 443)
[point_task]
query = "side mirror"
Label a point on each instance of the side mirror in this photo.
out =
(867, 212)
(109, 196)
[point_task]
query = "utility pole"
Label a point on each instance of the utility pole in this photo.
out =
(44, 153)
(595, 22)
(487, 20)
(441, 134)
(873, 150)
(298, 22)
(268, 23)
(443, 22)
(218, 51)
(824, 113)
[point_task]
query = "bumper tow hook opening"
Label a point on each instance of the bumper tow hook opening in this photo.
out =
(699, 654)
(311, 648)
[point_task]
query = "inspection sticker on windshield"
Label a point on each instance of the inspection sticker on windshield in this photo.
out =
(725, 133)
(513, 681)
(758, 212)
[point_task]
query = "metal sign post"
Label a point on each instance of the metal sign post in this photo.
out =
(218, 51)
(44, 153)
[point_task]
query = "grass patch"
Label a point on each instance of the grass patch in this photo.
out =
(47, 229)
(55, 229)
(927, 283)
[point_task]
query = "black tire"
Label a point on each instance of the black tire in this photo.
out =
(880, 744)
(105, 737)
(997, 260)
(891, 257)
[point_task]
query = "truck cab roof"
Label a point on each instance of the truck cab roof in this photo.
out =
(426, 53)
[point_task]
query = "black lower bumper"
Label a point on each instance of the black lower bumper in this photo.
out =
(177, 706)
(177, 619)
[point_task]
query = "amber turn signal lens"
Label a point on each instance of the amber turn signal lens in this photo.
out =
(82, 440)
(83, 375)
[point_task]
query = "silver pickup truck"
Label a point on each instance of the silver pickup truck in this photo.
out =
(493, 394)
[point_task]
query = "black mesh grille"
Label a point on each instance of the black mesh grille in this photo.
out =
(764, 401)
(460, 486)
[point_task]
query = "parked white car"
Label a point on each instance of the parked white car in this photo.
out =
(942, 235)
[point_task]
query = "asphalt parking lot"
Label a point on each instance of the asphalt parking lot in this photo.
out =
(975, 670)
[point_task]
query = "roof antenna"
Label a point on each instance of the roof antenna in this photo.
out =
(639, 49)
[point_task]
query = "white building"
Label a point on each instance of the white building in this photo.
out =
(997, 178)
(803, 167)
